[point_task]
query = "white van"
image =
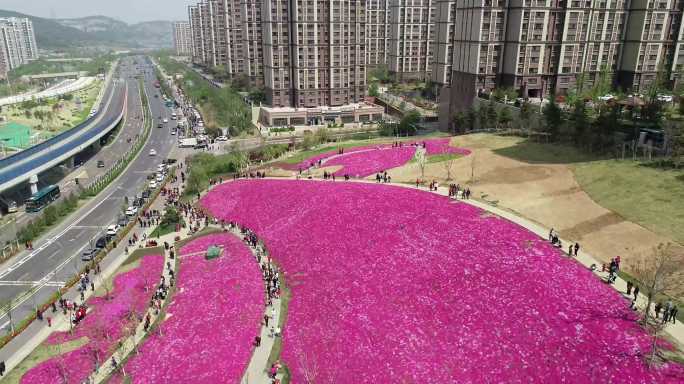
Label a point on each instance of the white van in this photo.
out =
(173, 116)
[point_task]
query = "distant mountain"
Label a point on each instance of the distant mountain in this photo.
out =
(149, 34)
(53, 35)
(100, 31)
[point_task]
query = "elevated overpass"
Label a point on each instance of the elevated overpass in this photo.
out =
(21, 166)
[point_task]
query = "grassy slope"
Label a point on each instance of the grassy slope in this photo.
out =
(650, 197)
(640, 193)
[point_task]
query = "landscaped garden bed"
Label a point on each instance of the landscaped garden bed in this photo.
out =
(211, 321)
(110, 316)
(390, 284)
(366, 160)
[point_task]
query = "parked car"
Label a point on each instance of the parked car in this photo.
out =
(112, 230)
(139, 202)
(131, 211)
(89, 253)
(100, 164)
(146, 194)
(101, 242)
(222, 138)
(153, 152)
(159, 178)
(166, 120)
(160, 125)
(153, 184)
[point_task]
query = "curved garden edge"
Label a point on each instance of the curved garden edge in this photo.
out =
(675, 331)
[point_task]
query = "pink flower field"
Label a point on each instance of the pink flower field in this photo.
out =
(366, 160)
(390, 284)
(103, 326)
(441, 146)
(213, 318)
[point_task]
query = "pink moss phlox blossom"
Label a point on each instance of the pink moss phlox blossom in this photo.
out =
(213, 318)
(103, 326)
(390, 284)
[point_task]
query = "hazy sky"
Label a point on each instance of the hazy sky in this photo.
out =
(126, 10)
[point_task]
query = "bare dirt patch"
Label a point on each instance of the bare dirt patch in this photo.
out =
(548, 194)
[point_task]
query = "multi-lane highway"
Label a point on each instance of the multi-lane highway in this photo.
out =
(20, 166)
(56, 256)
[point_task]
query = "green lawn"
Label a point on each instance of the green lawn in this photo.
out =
(443, 157)
(651, 197)
(543, 153)
(162, 230)
(637, 191)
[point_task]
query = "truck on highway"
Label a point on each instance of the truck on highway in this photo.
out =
(187, 143)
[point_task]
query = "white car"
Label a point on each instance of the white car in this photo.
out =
(221, 138)
(159, 178)
(607, 97)
(153, 152)
(153, 184)
(173, 131)
(165, 121)
(665, 98)
(112, 230)
(131, 211)
(161, 167)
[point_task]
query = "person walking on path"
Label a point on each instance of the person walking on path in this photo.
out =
(629, 287)
(673, 314)
(636, 292)
(2, 368)
(577, 248)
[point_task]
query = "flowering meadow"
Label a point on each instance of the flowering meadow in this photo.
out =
(366, 160)
(390, 284)
(364, 163)
(103, 326)
(213, 318)
(441, 146)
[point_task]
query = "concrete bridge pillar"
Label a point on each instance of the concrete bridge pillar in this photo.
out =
(33, 183)
(69, 163)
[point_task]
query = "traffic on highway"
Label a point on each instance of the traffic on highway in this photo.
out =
(65, 250)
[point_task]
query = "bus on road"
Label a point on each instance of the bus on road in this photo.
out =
(42, 198)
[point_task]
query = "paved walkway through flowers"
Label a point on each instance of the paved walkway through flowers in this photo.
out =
(129, 345)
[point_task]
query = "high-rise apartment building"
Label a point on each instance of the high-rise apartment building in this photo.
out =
(252, 40)
(377, 32)
(443, 43)
(196, 31)
(412, 31)
(652, 42)
(182, 39)
(314, 52)
(17, 43)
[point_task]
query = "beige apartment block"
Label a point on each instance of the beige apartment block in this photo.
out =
(654, 28)
(377, 32)
(182, 38)
(314, 52)
(412, 30)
